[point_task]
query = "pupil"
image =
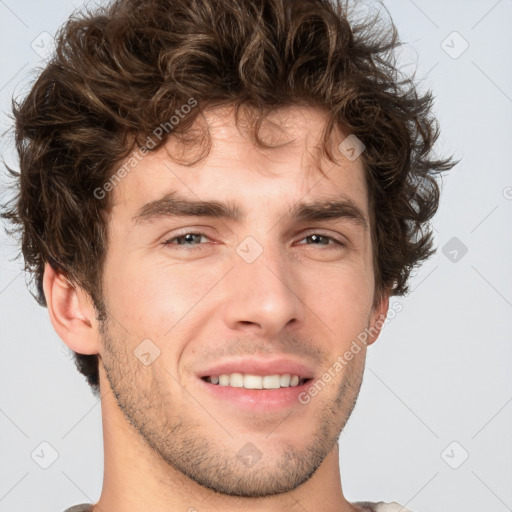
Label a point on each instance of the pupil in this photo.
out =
(187, 238)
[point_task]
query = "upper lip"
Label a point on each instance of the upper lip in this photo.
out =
(258, 366)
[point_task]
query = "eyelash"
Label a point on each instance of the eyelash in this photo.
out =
(169, 242)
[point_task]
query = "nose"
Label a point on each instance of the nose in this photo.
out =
(262, 296)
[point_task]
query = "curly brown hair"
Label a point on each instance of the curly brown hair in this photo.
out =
(121, 70)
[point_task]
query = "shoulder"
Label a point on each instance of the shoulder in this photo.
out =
(83, 507)
(381, 506)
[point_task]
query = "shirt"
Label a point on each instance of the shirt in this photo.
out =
(363, 506)
(381, 506)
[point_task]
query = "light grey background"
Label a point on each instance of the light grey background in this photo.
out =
(438, 382)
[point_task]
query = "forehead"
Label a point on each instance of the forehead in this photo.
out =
(236, 169)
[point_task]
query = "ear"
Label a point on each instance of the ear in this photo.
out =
(377, 318)
(72, 312)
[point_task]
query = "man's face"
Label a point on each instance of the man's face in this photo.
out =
(266, 287)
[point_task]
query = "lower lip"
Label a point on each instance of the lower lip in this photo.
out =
(259, 399)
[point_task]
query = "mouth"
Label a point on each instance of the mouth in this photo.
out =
(257, 394)
(256, 382)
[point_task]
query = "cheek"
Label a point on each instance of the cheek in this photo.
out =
(341, 298)
(157, 299)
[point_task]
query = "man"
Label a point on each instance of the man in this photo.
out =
(217, 200)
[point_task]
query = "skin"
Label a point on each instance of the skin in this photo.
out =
(168, 444)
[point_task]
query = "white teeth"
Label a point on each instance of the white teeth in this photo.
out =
(248, 381)
(252, 381)
(236, 380)
(284, 380)
(271, 382)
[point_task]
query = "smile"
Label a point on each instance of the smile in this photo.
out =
(251, 381)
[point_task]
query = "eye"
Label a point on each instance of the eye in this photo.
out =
(317, 239)
(184, 239)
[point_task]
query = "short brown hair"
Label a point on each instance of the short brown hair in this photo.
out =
(122, 70)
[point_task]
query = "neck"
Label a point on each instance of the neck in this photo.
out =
(137, 479)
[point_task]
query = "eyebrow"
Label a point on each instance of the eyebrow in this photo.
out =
(175, 205)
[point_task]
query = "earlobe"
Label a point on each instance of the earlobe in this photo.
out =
(71, 311)
(377, 319)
